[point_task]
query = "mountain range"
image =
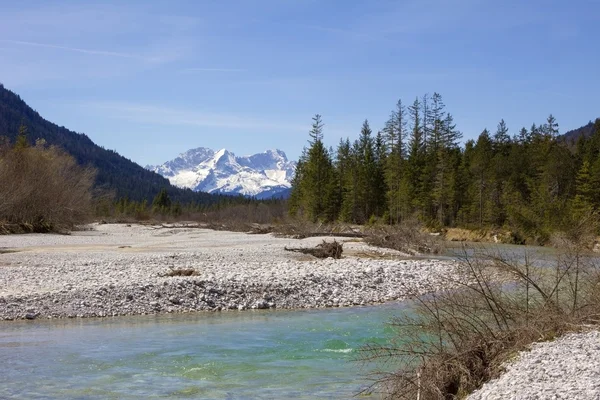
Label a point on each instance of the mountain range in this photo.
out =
(263, 175)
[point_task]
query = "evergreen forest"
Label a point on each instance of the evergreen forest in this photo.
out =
(531, 181)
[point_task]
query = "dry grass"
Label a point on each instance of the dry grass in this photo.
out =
(457, 340)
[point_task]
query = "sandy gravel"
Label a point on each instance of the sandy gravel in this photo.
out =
(117, 269)
(567, 368)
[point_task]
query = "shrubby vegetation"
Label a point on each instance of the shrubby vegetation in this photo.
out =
(42, 188)
(533, 182)
(456, 340)
(236, 213)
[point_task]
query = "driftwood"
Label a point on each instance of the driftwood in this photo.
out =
(323, 250)
(345, 235)
(180, 272)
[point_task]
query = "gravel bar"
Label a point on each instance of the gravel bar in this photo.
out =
(567, 368)
(118, 269)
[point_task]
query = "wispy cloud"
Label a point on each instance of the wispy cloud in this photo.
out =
(191, 70)
(338, 31)
(164, 115)
(75, 49)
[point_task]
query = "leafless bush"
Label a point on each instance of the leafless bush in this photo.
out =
(408, 237)
(458, 339)
(241, 218)
(299, 228)
(322, 250)
(43, 189)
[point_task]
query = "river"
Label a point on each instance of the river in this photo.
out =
(230, 355)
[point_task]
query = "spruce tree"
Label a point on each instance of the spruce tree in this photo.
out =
(314, 182)
(162, 202)
(395, 136)
(366, 175)
(22, 142)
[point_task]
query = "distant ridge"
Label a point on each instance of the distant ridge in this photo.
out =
(115, 172)
(573, 135)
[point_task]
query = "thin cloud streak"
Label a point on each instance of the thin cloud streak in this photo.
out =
(150, 114)
(75, 49)
(189, 70)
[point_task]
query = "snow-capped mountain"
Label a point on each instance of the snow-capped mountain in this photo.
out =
(262, 175)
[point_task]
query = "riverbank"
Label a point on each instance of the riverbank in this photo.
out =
(118, 269)
(567, 368)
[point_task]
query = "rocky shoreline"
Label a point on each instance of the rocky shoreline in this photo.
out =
(116, 270)
(567, 368)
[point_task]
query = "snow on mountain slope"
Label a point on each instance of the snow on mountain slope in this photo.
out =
(262, 175)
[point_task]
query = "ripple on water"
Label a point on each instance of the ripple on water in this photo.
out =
(273, 354)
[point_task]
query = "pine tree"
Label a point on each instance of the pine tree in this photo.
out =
(379, 186)
(550, 128)
(436, 122)
(481, 170)
(501, 138)
(445, 165)
(583, 202)
(162, 202)
(366, 176)
(394, 135)
(314, 181)
(416, 160)
(22, 142)
(343, 165)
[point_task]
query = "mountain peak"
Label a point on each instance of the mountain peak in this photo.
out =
(261, 175)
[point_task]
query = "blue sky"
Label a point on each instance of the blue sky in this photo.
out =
(151, 79)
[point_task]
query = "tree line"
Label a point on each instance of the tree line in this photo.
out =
(532, 181)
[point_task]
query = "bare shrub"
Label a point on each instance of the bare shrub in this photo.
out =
(254, 217)
(322, 250)
(299, 228)
(44, 189)
(407, 237)
(456, 340)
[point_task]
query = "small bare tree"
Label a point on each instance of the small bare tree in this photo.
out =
(43, 189)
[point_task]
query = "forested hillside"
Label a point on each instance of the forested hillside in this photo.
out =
(115, 173)
(573, 136)
(529, 180)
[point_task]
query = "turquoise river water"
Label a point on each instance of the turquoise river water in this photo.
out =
(231, 355)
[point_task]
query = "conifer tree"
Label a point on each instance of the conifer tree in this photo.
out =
(416, 160)
(394, 135)
(314, 182)
(583, 202)
(481, 168)
(22, 142)
(379, 186)
(366, 175)
(162, 202)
